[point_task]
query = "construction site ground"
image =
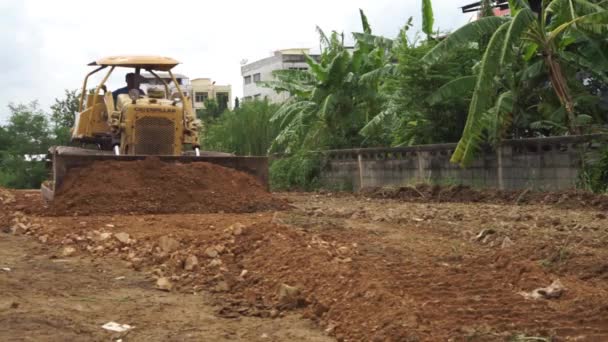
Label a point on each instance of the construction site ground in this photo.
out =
(327, 267)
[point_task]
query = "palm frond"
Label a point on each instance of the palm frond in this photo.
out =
(427, 17)
(516, 5)
(518, 25)
(316, 68)
(364, 23)
(456, 88)
(482, 99)
(376, 123)
(322, 37)
(470, 33)
(378, 74)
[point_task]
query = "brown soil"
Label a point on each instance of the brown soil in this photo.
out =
(153, 186)
(463, 194)
(47, 297)
(368, 269)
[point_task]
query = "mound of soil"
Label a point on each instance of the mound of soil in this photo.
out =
(570, 199)
(153, 186)
(7, 200)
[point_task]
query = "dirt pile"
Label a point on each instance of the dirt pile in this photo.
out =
(570, 199)
(153, 186)
(6, 201)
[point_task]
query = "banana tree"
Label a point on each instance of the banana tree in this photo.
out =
(526, 34)
(332, 100)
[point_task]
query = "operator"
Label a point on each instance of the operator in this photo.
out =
(132, 83)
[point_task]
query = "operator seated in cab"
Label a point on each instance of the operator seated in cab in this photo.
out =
(132, 83)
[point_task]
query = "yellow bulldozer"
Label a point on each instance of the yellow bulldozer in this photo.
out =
(130, 125)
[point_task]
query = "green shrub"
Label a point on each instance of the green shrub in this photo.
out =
(594, 175)
(300, 171)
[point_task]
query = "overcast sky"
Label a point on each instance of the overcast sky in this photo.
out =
(45, 45)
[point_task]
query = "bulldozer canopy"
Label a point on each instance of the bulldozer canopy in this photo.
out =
(145, 62)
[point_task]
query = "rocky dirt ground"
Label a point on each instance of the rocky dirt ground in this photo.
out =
(350, 268)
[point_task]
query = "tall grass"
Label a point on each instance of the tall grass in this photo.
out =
(245, 131)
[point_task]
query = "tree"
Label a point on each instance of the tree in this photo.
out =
(415, 113)
(244, 131)
(210, 112)
(338, 96)
(237, 103)
(548, 36)
(25, 138)
(63, 114)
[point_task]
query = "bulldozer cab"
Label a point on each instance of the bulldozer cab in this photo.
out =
(129, 121)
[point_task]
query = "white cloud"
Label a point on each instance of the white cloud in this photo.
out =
(47, 44)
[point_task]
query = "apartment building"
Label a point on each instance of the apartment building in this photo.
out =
(205, 88)
(261, 71)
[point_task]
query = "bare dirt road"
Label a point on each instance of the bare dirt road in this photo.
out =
(351, 267)
(47, 297)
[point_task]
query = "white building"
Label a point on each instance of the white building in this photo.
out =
(261, 71)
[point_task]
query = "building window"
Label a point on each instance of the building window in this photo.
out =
(247, 79)
(257, 96)
(247, 98)
(200, 96)
(297, 68)
(222, 99)
(257, 77)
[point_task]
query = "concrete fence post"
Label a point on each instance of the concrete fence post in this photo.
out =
(420, 166)
(360, 163)
(499, 169)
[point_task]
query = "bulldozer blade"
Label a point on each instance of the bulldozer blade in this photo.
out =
(64, 158)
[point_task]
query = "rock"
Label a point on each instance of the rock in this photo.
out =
(237, 228)
(320, 309)
(123, 238)
(19, 228)
(164, 284)
(43, 238)
(274, 313)
(215, 263)
(289, 296)
(211, 252)
(220, 249)
(243, 273)
(343, 250)
(168, 244)
(555, 290)
(190, 263)
(101, 236)
(507, 243)
(68, 251)
(483, 234)
(222, 286)
(107, 225)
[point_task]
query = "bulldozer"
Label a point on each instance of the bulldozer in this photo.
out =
(134, 126)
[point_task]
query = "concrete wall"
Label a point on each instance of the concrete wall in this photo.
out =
(542, 163)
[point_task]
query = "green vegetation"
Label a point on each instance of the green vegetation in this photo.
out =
(26, 135)
(246, 130)
(594, 176)
(520, 48)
